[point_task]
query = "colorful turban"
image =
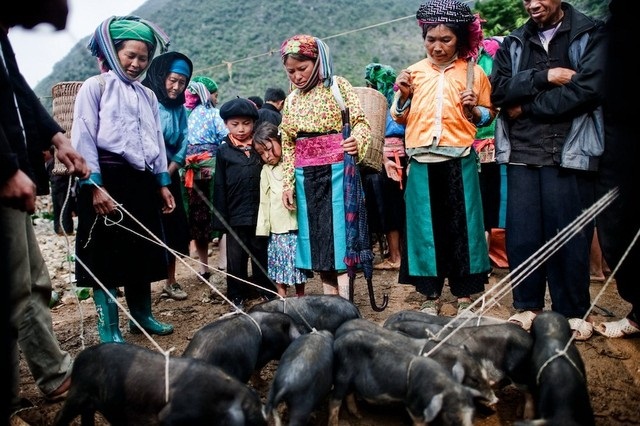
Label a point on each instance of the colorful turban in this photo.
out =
(453, 12)
(211, 85)
(313, 48)
(301, 44)
(382, 78)
(115, 28)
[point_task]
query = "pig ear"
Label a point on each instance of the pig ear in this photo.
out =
(458, 372)
(434, 407)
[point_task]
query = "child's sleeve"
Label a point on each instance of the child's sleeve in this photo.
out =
(263, 225)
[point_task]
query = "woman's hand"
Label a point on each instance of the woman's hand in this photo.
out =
(169, 204)
(404, 85)
(288, 200)
(394, 171)
(350, 146)
(102, 202)
(469, 101)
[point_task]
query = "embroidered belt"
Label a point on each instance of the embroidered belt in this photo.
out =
(393, 145)
(319, 150)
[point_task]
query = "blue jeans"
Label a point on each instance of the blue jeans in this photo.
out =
(30, 324)
(541, 201)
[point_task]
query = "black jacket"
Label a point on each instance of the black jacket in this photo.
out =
(538, 135)
(39, 126)
(236, 188)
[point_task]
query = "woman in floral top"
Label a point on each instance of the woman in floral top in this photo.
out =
(313, 149)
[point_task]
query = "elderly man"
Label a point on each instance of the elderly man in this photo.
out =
(547, 78)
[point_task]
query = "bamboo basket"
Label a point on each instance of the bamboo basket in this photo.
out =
(64, 98)
(375, 108)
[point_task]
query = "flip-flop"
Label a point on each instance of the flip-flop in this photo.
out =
(582, 329)
(617, 329)
(524, 319)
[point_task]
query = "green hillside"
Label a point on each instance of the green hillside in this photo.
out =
(237, 43)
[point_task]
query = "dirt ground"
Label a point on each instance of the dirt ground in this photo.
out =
(613, 365)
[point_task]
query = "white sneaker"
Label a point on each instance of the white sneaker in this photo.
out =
(174, 291)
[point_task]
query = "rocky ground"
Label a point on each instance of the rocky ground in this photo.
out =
(613, 365)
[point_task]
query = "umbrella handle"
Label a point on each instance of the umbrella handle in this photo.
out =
(351, 280)
(372, 298)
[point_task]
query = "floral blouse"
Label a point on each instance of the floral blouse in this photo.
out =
(317, 111)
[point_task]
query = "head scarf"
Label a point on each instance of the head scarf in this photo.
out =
(312, 48)
(116, 28)
(197, 93)
(211, 85)
(157, 73)
(382, 78)
(453, 12)
(180, 66)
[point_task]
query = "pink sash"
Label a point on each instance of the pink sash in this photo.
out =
(393, 145)
(319, 150)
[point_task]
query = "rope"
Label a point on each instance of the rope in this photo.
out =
(517, 275)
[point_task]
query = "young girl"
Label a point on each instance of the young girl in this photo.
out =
(236, 196)
(274, 220)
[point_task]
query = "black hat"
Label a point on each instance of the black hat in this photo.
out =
(239, 107)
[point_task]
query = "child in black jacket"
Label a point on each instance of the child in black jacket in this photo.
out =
(236, 197)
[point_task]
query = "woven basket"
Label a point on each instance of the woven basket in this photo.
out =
(375, 108)
(64, 98)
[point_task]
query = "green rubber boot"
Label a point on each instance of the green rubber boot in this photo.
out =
(139, 302)
(108, 327)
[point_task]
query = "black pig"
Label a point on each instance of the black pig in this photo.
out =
(242, 344)
(303, 378)
(126, 384)
(319, 311)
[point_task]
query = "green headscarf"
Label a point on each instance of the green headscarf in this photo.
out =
(131, 30)
(211, 85)
(382, 78)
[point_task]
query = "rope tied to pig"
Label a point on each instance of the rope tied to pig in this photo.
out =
(559, 354)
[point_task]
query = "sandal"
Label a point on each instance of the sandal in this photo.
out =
(463, 309)
(431, 307)
(524, 319)
(617, 329)
(387, 265)
(582, 329)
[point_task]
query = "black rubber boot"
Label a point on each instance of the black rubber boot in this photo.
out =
(108, 327)
(139, 302)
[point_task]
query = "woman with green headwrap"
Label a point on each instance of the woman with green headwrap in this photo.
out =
(117, 128)
(388, 195)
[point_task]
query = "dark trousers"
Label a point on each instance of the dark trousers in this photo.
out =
(541, 202)
(63, 206)
(619, 223)
(238, 263)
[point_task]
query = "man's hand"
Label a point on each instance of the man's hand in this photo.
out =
(70, 157)
(560, 76)
(19, 192)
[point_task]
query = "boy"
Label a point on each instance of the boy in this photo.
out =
(236, 198)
